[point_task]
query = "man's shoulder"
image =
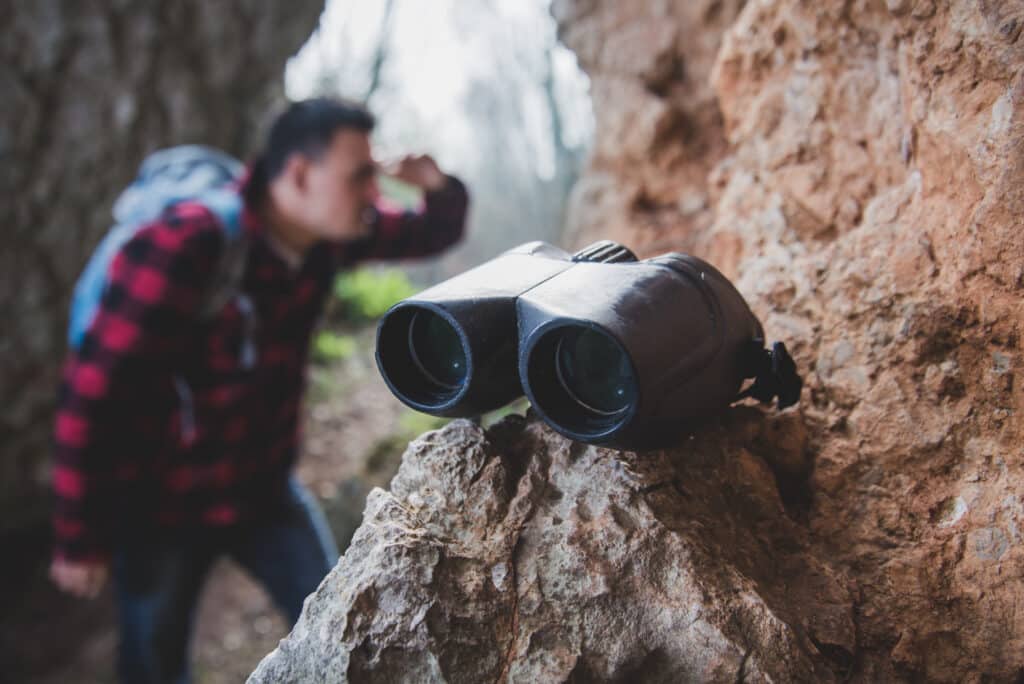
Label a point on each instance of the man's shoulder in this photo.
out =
(192, 216)
(188, 221)
(187, 229)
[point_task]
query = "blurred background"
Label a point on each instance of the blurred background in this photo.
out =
(484, 86)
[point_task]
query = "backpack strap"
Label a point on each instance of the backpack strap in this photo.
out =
(226, 205)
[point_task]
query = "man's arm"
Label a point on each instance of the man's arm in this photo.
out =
(409, 234)
(156, 285)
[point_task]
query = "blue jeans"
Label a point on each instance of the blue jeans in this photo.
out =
(158, 582)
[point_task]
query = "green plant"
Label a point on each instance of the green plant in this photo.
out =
(519, 407)
(329, 346)
(414, 423)
(368, 293)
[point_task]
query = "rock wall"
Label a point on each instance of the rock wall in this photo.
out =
(858, 168)
(863, 183)
(88, 89)
(659, 128)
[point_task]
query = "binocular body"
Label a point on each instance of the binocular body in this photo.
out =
(608, 349)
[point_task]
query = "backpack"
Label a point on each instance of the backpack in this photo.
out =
(167, 177)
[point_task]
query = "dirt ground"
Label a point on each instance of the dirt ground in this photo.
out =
(49, 638)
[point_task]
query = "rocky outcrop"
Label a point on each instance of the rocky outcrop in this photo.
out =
(515, 554)
(858, 169)
(88, 89)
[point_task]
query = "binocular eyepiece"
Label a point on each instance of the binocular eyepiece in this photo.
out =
(608, 349)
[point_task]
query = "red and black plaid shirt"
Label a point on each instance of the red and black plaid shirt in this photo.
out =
(124, 459)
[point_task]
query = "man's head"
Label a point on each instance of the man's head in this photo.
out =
(317, 170)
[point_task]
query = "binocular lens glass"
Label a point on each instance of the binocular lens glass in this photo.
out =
(436, 350)
(594, 371)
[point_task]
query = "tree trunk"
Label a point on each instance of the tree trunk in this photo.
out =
(88, 89)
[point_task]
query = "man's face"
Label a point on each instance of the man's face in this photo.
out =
(339, 188)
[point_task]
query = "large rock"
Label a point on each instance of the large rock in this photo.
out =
(88, 89)
(516, 554)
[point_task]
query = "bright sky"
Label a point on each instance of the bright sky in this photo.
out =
(439, 50)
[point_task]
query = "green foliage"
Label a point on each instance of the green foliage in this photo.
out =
(518, 407)
(368, 293)
(414, 423)
(329, 346)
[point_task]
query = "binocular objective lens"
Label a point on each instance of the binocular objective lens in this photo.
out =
(436, 350)
(594, 371)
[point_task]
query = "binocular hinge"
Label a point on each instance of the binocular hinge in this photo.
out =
(774, 374)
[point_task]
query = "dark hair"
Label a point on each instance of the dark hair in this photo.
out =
(305, 127)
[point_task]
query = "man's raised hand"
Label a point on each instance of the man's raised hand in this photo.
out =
(420, 170)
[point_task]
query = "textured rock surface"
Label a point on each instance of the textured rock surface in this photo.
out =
(659, 129)
(88, 89)
(858, 169)
(516, 554)
(864, 185)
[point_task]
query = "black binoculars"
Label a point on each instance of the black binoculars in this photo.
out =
(609, 350)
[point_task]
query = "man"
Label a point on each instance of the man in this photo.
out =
(170, 449)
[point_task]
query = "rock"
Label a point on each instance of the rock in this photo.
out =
(515, 554)
(656, 115)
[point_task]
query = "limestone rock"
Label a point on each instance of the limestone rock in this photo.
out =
(515, 554)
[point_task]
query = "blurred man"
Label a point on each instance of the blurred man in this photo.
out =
(175, 440)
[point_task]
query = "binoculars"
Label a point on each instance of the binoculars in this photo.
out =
(610, 350)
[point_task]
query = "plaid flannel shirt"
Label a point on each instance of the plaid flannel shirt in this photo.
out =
(124, 459)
